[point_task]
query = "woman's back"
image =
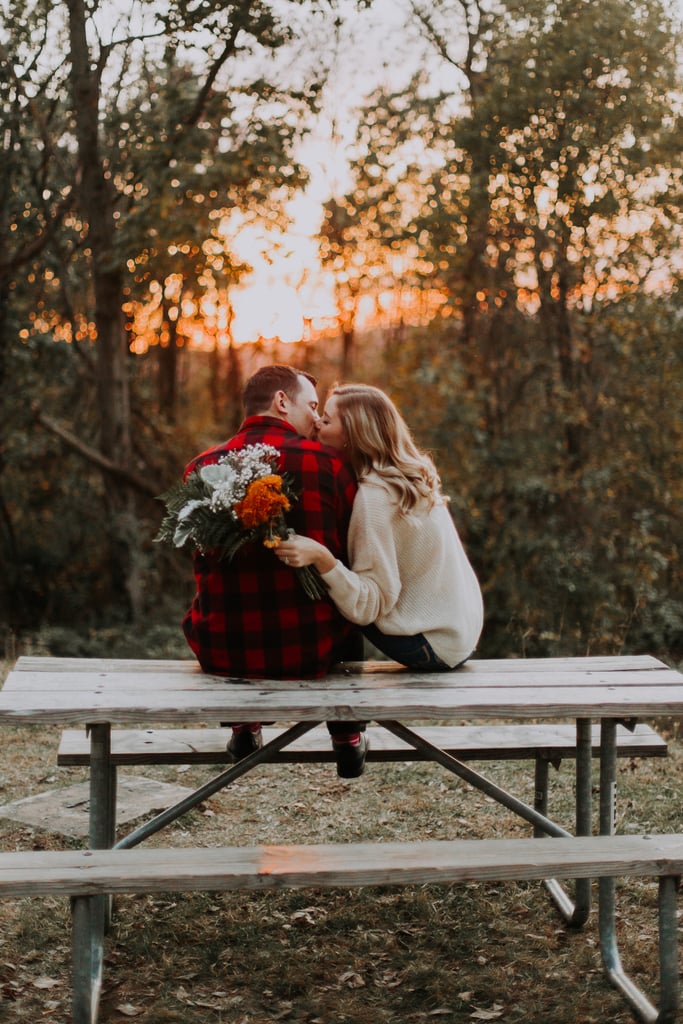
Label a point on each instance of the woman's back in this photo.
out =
(409, 572)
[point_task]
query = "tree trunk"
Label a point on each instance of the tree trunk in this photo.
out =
(167, 368)
(226, 380)
(556, 319)
(95, 198)
(348, 339)
(574, 429)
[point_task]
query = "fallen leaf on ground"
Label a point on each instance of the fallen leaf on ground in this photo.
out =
(128, 1010)
(495, 1011)
(352, 979)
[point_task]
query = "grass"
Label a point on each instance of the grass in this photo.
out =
(424, 953)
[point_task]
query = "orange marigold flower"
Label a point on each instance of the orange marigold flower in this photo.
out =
(263, 502)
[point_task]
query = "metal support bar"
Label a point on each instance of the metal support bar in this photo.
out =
(479, 782)
(87, 953)
(576, 912)
(668, 943)
(171, 814)
(94, 917)
(669, 984)
(86, 960)
(101, 796)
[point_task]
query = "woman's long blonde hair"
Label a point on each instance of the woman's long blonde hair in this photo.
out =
(378, 438)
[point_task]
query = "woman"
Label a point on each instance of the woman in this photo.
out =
(410, 586)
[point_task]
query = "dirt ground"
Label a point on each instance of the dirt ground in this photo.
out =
(460, 953)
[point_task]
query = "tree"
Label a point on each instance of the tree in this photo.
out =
(545, 203)
(123, 159)
(567, 142)
(367, 240)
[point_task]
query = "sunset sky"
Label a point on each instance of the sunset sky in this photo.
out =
(366, 49)
(370, 48)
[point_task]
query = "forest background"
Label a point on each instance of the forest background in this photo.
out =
(498, 245)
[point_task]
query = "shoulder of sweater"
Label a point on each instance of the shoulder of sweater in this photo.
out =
(374, 509)
(373, 491)
(373, 482)
(378, 491)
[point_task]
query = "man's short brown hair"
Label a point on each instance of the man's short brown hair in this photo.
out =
(261, 388)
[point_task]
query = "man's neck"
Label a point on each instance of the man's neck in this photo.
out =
(260, 416)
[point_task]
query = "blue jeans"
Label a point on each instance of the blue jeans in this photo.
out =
(412, 651)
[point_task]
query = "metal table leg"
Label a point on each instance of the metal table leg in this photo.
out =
(575, 913)
(86, 959)
(102, 800)
(102, 789)
(668, 925)
(432, 753)
(91, 914)
(170, 815)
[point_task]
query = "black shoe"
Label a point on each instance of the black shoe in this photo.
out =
(350, 757)
(243, 743)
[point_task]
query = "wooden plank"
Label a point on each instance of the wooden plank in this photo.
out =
(449, 686)
(148, 870)
(207, 746)
(68, 691)
(127, 705)
(35, 663)
(607, 663)
(31, 663)
(195, 681)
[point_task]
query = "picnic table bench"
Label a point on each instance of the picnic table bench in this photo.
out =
(101, 693)
(87, 876)
(541, 743)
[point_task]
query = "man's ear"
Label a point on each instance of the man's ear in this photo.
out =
(281, 402)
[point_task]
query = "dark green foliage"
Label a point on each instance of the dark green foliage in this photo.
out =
(122, 151)
(545, 210)
(572, 560)
(193, 489)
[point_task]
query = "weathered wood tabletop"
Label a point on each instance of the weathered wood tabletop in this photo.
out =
(118, 692)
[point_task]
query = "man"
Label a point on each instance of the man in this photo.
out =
(250, 616)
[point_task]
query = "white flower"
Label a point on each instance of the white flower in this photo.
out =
(230, 477)
(217, 473)
(190, 507)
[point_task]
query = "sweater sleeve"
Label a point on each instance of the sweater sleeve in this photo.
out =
(371, 587)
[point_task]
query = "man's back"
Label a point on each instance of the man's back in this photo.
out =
(250, 616)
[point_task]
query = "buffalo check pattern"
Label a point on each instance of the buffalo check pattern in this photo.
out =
(250, 616)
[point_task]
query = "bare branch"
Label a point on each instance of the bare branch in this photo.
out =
(434, 36)
(473, 16)
(37, 244)
(126, 476)
(200, 100)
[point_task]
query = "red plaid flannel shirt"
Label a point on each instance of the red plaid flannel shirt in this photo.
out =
(250, 616)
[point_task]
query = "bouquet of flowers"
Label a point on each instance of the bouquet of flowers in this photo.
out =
(232, 502)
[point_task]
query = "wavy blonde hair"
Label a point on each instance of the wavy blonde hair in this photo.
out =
(379, 439)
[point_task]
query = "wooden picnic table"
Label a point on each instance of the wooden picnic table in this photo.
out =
(102, 693)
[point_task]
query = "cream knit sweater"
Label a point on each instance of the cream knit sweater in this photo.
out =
(409, 575)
